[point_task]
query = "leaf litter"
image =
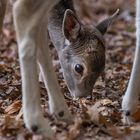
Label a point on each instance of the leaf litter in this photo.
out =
(99, 118)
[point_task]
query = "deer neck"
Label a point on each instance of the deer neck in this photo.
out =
(55, 21)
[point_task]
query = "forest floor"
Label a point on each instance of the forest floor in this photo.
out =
(99, 118)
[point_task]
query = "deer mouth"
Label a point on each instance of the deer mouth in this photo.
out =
(84, 88)
(82, 92)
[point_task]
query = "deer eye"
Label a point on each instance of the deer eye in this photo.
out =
(79, 68)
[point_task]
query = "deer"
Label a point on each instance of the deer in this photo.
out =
(81, 51)
(130, 99)
(80, 48)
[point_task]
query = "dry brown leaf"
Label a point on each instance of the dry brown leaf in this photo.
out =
(13, 108)
(106, 102)
(9, 126)
(136, 115)
(95, 113)
(119, 132)
(74, 130)
(19, 115)
(135, 128)
(37, 137)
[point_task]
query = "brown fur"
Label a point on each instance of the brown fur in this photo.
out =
(86, 47)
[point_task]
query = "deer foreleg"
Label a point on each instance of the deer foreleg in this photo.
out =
(2, 12)
(130, 100)
(28, 15)
(57, 104)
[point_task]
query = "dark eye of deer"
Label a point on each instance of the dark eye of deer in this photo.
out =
(79, 69)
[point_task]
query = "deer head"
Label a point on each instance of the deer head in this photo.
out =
(83, 56)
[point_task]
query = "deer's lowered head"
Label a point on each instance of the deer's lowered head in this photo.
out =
(83, 56)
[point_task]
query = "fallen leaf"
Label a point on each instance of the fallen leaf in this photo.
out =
(95, 113)
(13, 108)
(106, 102)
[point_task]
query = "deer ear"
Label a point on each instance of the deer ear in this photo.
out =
(71, 25)
(103, 26)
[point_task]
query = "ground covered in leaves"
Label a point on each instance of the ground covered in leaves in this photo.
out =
(99, 118)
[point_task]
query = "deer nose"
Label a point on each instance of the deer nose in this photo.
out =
(81, 94)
